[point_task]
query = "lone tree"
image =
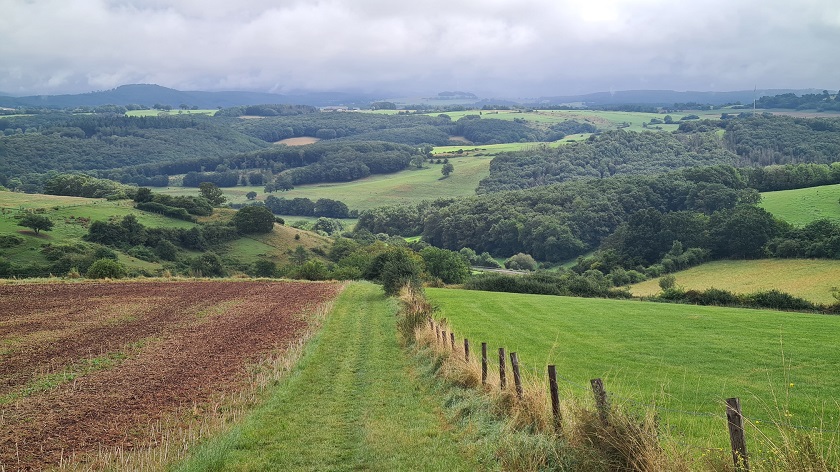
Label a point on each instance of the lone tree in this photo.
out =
(212, 193)
(254, 219)
(36, 223)
(447, 169)
(251, 195)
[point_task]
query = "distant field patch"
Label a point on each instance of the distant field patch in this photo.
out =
(301, 141)
(409, 186)
(802, 206)
(811, 279)
(169, 113)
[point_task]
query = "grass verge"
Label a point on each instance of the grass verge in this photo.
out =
(352, 403)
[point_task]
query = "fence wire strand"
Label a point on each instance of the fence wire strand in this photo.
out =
(647, 406)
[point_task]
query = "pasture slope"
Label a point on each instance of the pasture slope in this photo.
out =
(352, 403)
(811, 279)
(680, 360)
(409, 186)
(91, 370)
(802, 206)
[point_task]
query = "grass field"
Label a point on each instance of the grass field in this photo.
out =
(683, 359)
(811, 279)
(67, 214)
(352, 403)
(70, 214)
(802, 206)
(408, 186)
(169, 113)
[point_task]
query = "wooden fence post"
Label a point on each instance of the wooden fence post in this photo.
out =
(601, 402)
(483, 363)
(437, 332)
(466, 350)
(555, 397)
(502, 380)
(443, 336)
(517, 379)
(736, 434)
(452, 340)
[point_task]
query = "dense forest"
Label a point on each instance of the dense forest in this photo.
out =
(148, 150)
(707, 207)
(61, 142)
(809, 101)
(746, 141)
(607, 154)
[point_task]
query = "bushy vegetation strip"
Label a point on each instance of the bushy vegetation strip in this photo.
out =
(352, 403)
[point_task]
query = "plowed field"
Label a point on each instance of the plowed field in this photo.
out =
(85, 366)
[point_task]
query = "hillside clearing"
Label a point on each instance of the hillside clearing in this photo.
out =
(301, 141)
(681, 360)
(811, 279)
(352, 403)
(802, 206)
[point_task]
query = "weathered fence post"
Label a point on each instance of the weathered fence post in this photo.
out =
(466, 350)
(502, 380)
(443, 336)
(555, 397)
(452, 340)
(736, 434)
(483, 363)
(517, 379)
(601, 402)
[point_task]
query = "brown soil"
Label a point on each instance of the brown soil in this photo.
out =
(197, 339)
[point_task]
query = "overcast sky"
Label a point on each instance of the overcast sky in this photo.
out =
(500, 48)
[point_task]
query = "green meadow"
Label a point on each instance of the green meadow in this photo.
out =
(68, 215)
(682, 360)
(811, 279)
(407, 186)
(802, 206)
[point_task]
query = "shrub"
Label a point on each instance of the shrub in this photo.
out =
(521, 262)
(399, 267)
(143, 253)
(667, 282)
(254, 219)
(106, 268)
(779, 301)
(265, 268)
(10, 240)
(208, 264)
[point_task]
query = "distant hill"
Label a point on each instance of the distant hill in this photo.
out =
(150, 94)
(665, 97)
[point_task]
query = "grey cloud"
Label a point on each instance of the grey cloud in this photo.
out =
(494, 47)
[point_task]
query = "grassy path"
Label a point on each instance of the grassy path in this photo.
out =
(351, 404)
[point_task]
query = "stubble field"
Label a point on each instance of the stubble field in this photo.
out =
(86, 367)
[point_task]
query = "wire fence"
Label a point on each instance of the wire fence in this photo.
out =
(731, 412)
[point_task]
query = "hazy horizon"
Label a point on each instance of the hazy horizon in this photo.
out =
(497, 48)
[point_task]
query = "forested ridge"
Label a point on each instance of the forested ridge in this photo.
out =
(561, 221)
(607, 154)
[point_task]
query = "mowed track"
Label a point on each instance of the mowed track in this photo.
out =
(183, 343)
